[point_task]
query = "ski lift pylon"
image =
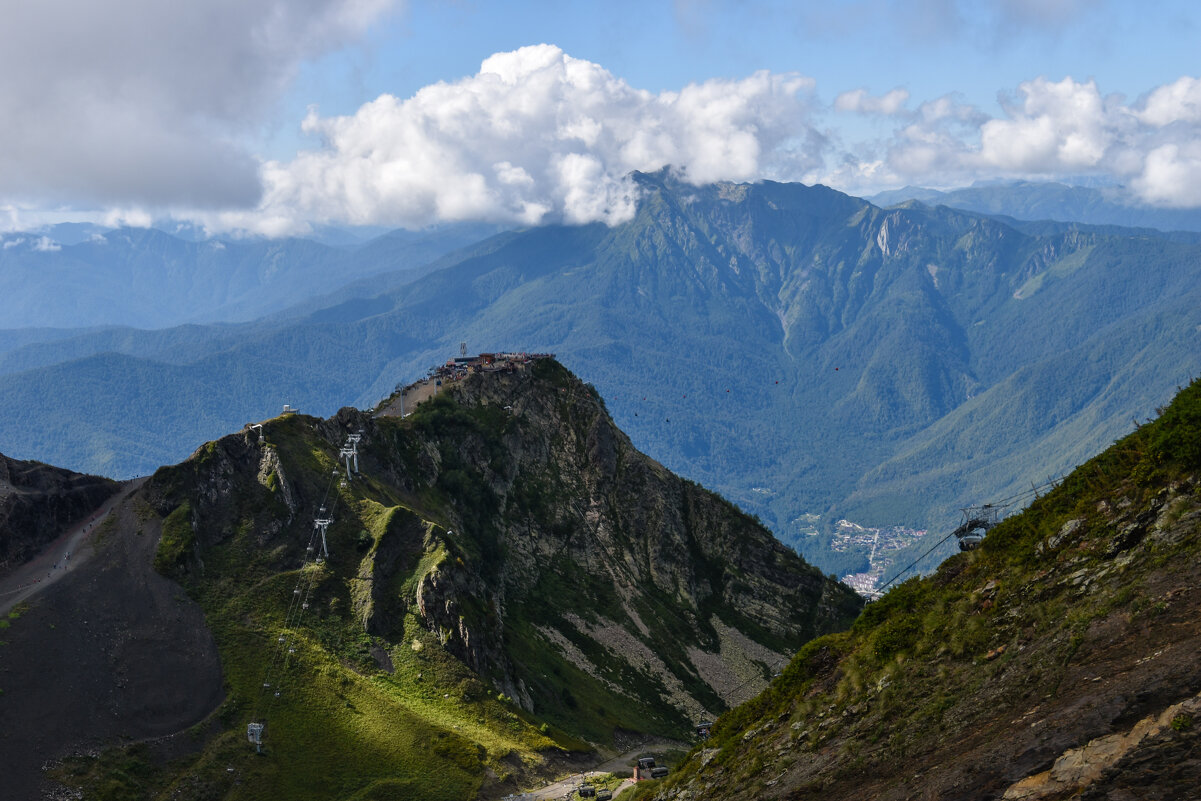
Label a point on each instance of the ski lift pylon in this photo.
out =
(254, 734)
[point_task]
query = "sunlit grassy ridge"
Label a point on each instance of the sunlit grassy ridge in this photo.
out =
(359, 715)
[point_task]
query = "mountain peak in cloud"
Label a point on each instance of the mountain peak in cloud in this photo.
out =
(534, 136)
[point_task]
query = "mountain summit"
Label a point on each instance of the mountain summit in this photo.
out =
(491, 586)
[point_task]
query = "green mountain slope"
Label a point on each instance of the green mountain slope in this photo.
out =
(509, 583)
(802, 351)
(1056, 661)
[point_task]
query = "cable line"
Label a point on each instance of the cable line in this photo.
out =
(306, 581)
(965, 529)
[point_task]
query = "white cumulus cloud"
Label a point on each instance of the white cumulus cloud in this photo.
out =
(1171, 175)
(534, 136)
(1058, 126)
(1050, 130)
(1179, 101)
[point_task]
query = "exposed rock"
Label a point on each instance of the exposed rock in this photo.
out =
(271, 475)
(1079, 769)
(1059, 538)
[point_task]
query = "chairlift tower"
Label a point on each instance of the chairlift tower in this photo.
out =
(977, 520)
(348, 454)
(322, 523)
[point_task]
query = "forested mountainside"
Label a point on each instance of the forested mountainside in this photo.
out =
(1057, 661)
(810, 355)
(498, 586)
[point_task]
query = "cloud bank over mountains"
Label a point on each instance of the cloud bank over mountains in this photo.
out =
(538, 136)
(1049, 130)
(139, 109)
(534, 136)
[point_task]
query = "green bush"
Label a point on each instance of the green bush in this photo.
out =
(176, 540)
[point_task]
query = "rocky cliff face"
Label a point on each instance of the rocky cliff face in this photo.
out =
(624, 566)
(1057, 661)
(38, 501)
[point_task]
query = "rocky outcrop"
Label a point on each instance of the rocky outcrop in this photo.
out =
(566, 499)
(272, 476)
(38, 502)
(1147, 747)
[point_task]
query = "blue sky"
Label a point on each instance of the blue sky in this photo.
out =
(271, 115)
(932, 48)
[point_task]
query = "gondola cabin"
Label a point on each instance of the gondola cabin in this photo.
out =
(647, 769)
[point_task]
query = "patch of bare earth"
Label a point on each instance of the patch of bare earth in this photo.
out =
(111, 653)
(734, 672)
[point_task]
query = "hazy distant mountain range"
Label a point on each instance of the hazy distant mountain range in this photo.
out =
(75, 275)
(802, 351)
(1028, 200)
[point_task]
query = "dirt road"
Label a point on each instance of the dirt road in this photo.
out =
(66, 553)
(565, 788)
(407, 401)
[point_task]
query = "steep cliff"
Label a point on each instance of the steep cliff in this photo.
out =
(600, 554)
(1057, 661)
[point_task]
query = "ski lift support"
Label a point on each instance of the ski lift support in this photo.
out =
(322, 523)
(254, 733)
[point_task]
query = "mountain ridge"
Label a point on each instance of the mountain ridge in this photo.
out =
(151, 278)
(1031, 200)
(768, 336)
